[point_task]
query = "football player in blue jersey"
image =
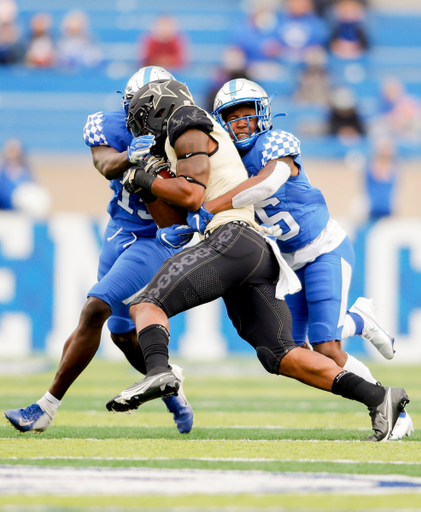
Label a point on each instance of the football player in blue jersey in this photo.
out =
(311, 242)
(129, 259)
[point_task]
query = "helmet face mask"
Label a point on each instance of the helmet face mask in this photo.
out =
(241, 92)
(152, 106)
(142, 77)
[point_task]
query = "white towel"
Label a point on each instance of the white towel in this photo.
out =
(288, 282)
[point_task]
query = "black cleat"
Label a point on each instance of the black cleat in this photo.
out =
(156, 386)
(384, 417)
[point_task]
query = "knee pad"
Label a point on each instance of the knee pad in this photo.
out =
(268, 359)
(320, 332)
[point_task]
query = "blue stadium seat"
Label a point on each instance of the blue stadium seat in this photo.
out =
(60, 102)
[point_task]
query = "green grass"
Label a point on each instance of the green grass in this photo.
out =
(245, 420)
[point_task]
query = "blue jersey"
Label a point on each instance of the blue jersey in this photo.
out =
(297, 207)
(126, 210)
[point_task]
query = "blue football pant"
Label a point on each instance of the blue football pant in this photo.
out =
(318, 310)
(126, 265)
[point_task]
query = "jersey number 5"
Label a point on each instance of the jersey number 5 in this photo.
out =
(284, 219)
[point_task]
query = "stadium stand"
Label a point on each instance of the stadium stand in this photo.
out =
(47, 108)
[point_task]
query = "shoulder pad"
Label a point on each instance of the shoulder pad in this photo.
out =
(276, 144)
(186, 118)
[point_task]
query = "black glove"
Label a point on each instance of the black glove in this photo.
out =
(144, 173)
(137, 181)
(139, 178)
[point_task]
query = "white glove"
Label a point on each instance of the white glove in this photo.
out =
(275, 231)
(139, 147)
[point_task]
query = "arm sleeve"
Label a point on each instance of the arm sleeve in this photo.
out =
(264, 189)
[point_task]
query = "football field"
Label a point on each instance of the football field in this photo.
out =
(259, 442)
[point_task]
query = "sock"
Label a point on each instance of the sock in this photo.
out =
(355, 366)
(49, 404)
(359, 323)
(351, 386)
(153, 341)
(349, 328)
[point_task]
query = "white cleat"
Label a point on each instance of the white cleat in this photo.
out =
(372, 332)
(403, 427)
(178, 372)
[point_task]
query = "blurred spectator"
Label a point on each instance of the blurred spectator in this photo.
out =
(234, 63)
(400, 113)
(314, 81)
(18, 191)
(165, 45)
(324, 7)
(299, 29)
(381, 178)
(344, 120)
(257, 37)
(349, 38)
(40, 52)
(76, 49)
(11, 47)
(8, 11)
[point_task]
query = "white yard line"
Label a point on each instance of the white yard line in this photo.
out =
(33, 480)
(222, 459)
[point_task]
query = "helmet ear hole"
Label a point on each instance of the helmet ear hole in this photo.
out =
(159, 113)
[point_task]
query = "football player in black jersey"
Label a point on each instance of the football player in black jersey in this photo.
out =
(234, 261)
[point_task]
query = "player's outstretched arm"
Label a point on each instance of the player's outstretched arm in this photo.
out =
(257, 188)
(110, 162)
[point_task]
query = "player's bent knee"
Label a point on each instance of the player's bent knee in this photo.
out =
(120, 339)
(320, 332)
(268, 359)
(95, 312)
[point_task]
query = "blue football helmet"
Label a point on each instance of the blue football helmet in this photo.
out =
(142, 77)
(236, 92)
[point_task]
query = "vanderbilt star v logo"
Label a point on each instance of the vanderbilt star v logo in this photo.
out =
(161, 91)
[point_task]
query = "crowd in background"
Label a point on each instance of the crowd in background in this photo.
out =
(301, 36)
(40, 47)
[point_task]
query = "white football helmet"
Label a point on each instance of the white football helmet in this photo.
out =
(142, 77)
(236, 92)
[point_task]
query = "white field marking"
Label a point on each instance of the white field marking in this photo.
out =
(219, 459)
(274, 427)
(33, 480)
